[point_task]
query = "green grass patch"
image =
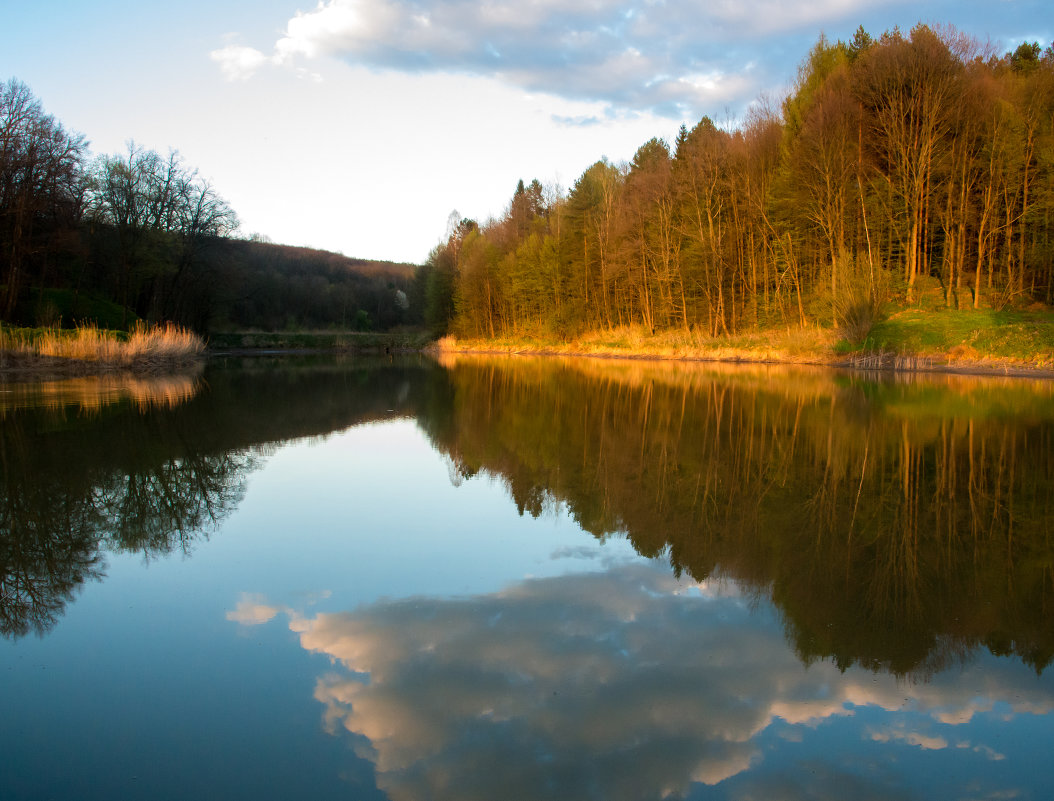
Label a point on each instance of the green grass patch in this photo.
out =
(974, 334)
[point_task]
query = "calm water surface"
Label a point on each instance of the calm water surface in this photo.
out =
(526, 579)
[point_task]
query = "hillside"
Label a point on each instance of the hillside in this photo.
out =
(273, 287)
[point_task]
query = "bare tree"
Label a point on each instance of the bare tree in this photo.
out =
(162, 215)
(40, 185)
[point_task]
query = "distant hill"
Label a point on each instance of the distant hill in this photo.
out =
(314, 257)
(261, 285)
(227, 285)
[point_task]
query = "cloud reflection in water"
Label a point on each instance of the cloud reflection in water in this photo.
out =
(625, 684)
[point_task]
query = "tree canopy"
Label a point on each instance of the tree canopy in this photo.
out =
(910, 164)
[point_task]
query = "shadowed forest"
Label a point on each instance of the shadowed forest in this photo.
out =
(116, 238)
(911, 166)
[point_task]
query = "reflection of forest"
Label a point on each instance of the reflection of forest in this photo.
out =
(85, 471)
(896, 524)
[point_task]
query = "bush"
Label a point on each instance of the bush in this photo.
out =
(856, 317)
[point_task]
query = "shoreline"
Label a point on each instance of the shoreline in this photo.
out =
(17, 366)
(865, 363)
(21, 366)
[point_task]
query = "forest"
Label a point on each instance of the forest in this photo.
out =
(912, 169)
(898, 524)
(908, 168)
(114, 239)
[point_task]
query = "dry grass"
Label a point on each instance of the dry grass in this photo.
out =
(93, 350)
(809, 345)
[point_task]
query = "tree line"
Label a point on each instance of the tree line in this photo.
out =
(909, 165)
(138, 235)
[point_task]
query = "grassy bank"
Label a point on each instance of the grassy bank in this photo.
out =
(911, 339)
(982, 338)
(93, 350)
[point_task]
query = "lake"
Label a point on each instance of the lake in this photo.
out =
(526, 578)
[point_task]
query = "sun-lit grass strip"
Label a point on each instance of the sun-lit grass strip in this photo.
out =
(90, 349)
(792, 345)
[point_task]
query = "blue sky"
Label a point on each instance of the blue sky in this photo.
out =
(359, 125)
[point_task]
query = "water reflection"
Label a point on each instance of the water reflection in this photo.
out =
(848, 595)
(149, 466)
(59, 513)
(93, 393)
(631, 684)
(897, 524)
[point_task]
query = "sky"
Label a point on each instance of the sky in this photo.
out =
(360, 126)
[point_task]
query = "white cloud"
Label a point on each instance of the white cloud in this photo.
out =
(252, 610)
(237, 62)
(989, 753)
(675, 59)
(928, 743)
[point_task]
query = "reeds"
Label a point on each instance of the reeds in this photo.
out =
(885, 360)
(92, 350)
